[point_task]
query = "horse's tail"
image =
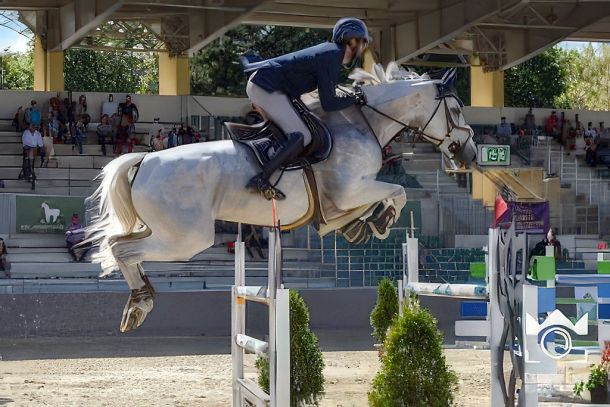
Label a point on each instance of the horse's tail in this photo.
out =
(114, 215)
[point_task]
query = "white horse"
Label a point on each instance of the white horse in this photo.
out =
(162, 206)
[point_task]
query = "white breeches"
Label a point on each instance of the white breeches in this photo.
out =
(278, 108)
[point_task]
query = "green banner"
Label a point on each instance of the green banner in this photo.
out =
(47, 214)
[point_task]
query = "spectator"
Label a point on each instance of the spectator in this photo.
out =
(503, 129)
(75, 233)
(551, 125)
(31, 140)
(104, 132)
(79, 136)
(530, 122)
(549, 240)
(81, 111)
(172, 138)
(129, 115)
(154, 129)
(48, 151)
(591, 151)
(110, 107)
(181, 134)
(590, 132)
(32, 114)
(16, 119)
(156, 142)
(5, 265)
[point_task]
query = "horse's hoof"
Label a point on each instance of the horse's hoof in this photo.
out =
(135, 311)
(380, 226)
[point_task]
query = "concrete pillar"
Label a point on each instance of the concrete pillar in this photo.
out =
(48, 68)
(174, 75)
(486, 88)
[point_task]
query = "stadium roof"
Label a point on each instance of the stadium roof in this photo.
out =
(496, 33)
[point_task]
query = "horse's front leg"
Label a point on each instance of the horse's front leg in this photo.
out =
(385, 202)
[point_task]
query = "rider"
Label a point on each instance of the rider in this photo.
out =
(275, 82)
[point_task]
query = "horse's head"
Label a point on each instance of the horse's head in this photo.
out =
(430, 108)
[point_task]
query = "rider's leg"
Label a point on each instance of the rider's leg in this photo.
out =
(278, 108)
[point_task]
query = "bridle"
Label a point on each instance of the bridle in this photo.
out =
(450, 123)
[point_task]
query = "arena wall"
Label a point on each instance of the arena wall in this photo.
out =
(179, 108)
(204, 313)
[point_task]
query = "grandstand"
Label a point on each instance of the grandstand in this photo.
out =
(41, 262)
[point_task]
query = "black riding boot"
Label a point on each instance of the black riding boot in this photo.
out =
(290, 151)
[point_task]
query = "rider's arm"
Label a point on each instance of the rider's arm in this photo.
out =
(328, 77)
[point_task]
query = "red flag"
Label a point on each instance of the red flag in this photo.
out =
(500, 209)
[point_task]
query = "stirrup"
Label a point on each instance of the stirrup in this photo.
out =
(259, 184)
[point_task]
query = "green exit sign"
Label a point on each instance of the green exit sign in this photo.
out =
(489, 154)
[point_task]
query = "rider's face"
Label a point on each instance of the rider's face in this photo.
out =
(356, 47)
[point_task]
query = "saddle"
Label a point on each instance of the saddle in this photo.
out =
(265, 138)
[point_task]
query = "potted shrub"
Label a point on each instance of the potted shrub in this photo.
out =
(306, 362)
(413, 370)
(386, 309)
(597, 384)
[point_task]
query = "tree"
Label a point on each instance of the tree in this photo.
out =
(413, 371)
(306, 362)
(18, 71)
(87, 70)
(216, 69)
(589, 84)
(538, 82)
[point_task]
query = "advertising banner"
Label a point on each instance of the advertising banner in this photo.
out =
(47, 214)
(528, 217)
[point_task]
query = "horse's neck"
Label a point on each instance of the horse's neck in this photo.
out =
(401, 111)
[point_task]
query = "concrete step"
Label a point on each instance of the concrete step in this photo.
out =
(49, 183)
(86, 174)
(77, 191)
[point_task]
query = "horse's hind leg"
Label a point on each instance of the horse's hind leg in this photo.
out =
(131, 251)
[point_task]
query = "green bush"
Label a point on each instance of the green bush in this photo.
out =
(385, 310)
(306, 363)
(413, 370)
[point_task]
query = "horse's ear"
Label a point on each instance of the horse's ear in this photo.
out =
(449, 78)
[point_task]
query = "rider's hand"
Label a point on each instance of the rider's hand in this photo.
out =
(359, 97)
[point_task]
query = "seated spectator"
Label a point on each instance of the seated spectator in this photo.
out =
(153, 130)
(16, 119)
(5, 265)
(104, 132)
(172, 138)
(503, 129)
(79, 136)
(31, 141)
(48, 150)
(549, 240)
(590, 132)
(81, 108)
(156, 143)
(75, 233)
(32, 115)
(591, 151)
(551, 125)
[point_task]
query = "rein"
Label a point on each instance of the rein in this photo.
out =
(451, 125)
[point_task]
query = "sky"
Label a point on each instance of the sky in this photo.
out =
(16, 42)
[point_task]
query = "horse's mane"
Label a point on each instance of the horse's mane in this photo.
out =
(392, 73)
